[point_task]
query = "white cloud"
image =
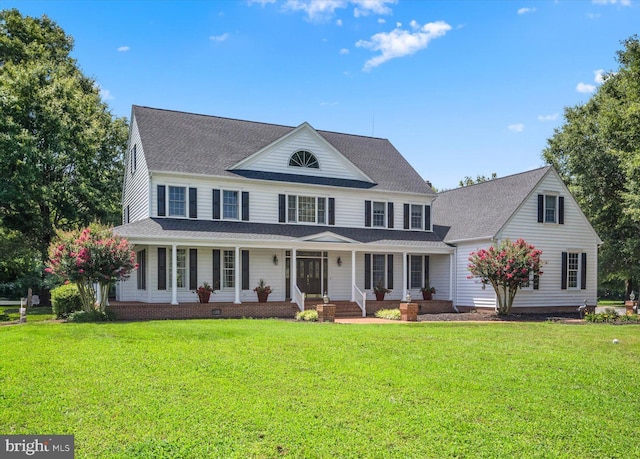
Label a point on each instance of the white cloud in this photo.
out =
(262, 2)
(585, 88)
(123, 49)
(599, 76)
(516, 127)
(526, 10)
(367, 7)
(551, 117)
(328, 104)
(105, 94)
(613, 2)
(593, 15)
(219, 38)
(399, 42)
(344, 51)
(339, 22)
(381, 20)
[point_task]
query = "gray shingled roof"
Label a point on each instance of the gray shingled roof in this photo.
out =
(190, 143)
(244, 231)
(481, 210)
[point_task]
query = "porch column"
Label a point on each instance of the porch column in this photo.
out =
(238, 275)
(293, 271)
(404, 275)
(174, 274)
(353, 275)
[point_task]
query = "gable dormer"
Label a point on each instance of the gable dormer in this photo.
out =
(303, 156)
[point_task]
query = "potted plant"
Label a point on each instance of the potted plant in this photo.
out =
(204, 292)
(427, 291)
(380, 291)
(263, 291)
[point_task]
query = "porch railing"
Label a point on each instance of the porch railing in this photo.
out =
(298, 298)
(361, 298)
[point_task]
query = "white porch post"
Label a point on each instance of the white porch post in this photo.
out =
(353, 275)
(238, 275)
(404, 275)
(174, 274)
(293, 271)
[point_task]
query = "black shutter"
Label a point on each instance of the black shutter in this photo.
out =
(426, 271)
(193, 269)
(561, 210)
(367, 214)
(282, 208)
(563, 275)
(540, 208)
(390, 271)
(193, 203)
(332, 211)
(406, 216)
(536, 282)
(216, 269)
(408, 261)
(245, 270)
(162, 268)
(427, 218)
(216, 204)
(367, 271)
(245, 206)
(390, 215)
(583, 272)
(162, 210)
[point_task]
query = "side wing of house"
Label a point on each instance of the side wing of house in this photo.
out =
(470, 293)
(552, 221)
(135, 191)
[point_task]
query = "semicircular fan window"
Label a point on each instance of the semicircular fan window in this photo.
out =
(304, 158)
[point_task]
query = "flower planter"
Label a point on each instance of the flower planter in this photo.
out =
(380, 296)
(427, 295)
(204, 297)
(262, 297)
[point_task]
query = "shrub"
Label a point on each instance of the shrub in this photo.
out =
(610, 316)
(309, 315)
(92, 316)
(65, 300)
(391, 314)
(4, 317)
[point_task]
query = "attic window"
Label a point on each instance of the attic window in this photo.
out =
(304, 158)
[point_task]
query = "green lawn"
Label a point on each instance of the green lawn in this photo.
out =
(267, 388)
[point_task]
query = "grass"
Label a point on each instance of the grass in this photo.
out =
(35, 314)
(267, 388)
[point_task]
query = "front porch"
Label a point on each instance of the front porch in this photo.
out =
(271, 309)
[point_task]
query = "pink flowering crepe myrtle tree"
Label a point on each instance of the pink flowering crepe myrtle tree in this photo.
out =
(88, 257)
(507, 268)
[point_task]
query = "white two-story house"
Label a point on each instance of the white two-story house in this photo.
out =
(230, 202)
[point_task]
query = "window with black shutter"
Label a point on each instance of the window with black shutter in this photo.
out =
(162, 199)
(216, 269)
(193, 269)
(245, 206)
(193, 203)
(162, 268)
(367, 214)
(216, 204)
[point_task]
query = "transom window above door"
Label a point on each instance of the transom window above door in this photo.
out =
(303, 158)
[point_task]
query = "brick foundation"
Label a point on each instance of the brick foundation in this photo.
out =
(424, 306)
(150, 311)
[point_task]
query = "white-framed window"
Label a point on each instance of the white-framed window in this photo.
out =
(417, 219)
(177, 201)
(181, 268)
(378, 218)
(550, 208)
(573, 269)
(303, 158)
(230, 205)
(378, 270)
(306, 209)
(228, 269)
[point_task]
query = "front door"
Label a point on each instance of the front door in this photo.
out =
(309, 276)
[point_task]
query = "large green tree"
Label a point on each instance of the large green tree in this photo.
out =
(61, 150)
(597, 152)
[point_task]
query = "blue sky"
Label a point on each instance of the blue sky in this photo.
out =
(461, 88)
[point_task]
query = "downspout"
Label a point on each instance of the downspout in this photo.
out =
(453, 293)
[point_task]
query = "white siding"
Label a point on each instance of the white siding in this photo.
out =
(136, 185)
(553, 239)
(331, 163)
(263, 198)
(469, 291)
